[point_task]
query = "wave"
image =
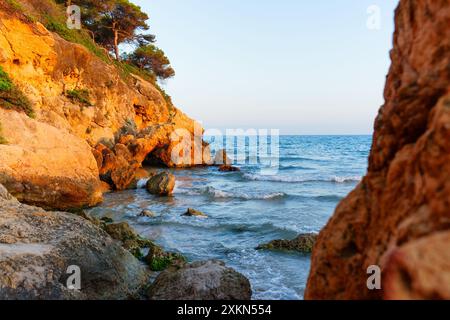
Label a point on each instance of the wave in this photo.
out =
(142, 183)
(220, 194)
(290, 179)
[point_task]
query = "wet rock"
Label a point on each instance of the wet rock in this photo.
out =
(159, 260)
(204, 280)
(161, 184)
(304, 243)
(107, 220)
(194, 213)
(147, 213)
(129, 238)
(227, 168)
(37, 247)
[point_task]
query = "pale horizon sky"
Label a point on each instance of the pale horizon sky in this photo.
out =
(304, 67)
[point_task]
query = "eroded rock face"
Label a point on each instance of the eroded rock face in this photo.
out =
(206, 280)
(127, 114)
(398, 217)
(45, 166)
(37, 247)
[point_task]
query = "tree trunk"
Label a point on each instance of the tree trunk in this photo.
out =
(116, 44)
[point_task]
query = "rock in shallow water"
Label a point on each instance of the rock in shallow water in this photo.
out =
(304, 243)
(161, 184)
(147, 213)
(204, 280)
(194, 213)
(228, 168)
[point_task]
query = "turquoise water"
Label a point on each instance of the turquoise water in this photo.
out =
(248, 208)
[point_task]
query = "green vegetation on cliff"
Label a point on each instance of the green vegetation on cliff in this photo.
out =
(2, 139)
(12, 97)
(106, 25)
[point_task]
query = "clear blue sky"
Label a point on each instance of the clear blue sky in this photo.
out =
(301, 66)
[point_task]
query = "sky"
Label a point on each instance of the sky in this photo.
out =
(301, 66)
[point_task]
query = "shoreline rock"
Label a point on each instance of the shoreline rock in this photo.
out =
(397, 218)
(37, 247)
(203, 280)
(47, 167)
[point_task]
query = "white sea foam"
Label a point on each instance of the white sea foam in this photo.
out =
(293, 179)
(142, 183)
(221, 194)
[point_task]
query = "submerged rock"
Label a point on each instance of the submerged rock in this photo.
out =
(147, 213)
(161, 184)
(304, 243)
(227, 168)
(204, 280)
(194, 213)
(37, 247)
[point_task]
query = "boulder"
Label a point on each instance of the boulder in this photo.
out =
(395, 217)
(37, 247)
(161, 184)
(194, 213)
(45, 166)
(204, 280)
(304, 243)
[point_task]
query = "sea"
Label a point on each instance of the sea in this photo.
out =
(299, 194)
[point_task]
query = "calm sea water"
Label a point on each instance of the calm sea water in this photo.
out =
(248, 208)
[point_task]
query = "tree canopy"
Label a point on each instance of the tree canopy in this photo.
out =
(152, 59)
(115, 22)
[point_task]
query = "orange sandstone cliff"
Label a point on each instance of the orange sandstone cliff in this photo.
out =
(56, 159)
(399, 216)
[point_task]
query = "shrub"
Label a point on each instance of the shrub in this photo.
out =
(15, 5)
(2, 139)
(81, 96)
(11, 97)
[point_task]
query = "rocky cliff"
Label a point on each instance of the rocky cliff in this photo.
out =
(90, 120)
(399, 216)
